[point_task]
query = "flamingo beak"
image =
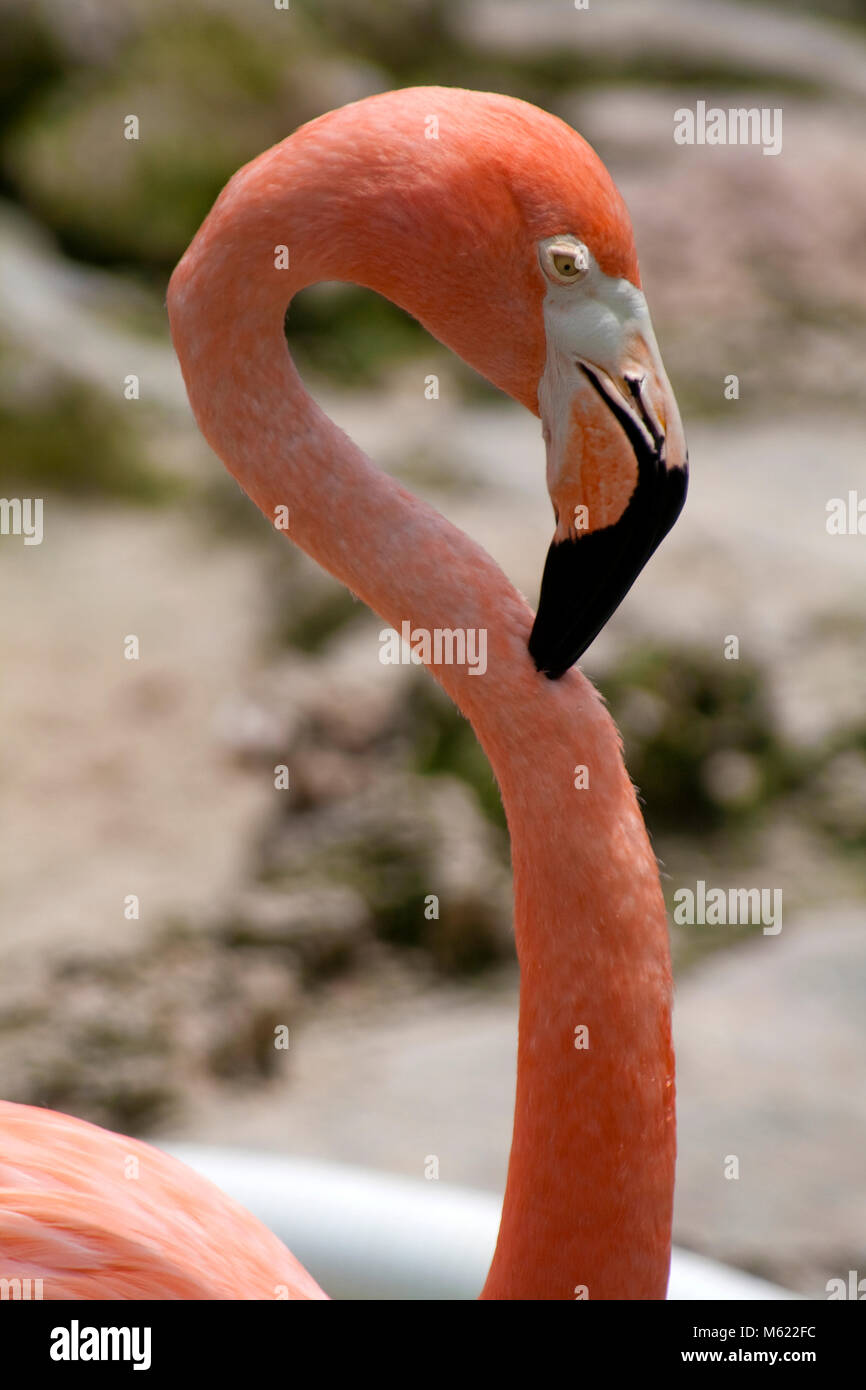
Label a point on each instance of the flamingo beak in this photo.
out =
(617, 475)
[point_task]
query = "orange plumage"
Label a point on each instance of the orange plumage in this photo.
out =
(96, 1215)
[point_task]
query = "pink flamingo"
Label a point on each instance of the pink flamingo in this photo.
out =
(498, 227)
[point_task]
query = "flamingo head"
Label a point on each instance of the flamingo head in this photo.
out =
(506, 236)
(617, 464)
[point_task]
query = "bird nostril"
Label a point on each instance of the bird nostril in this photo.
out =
(635, 385)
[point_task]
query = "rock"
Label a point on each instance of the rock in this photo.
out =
(753, 39)
(770, 1045)
(323, 927)
(420, 855)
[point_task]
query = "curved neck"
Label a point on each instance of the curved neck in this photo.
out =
(590, 1180)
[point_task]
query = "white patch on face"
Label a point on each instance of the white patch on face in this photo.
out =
(593, 319)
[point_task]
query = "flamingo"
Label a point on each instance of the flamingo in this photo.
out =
(498, 227)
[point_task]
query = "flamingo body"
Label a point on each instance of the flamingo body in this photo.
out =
(96, 1215)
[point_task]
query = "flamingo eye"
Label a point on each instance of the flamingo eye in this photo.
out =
(565, 262)
(566, 265)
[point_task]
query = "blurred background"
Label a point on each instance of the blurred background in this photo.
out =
(305, 907)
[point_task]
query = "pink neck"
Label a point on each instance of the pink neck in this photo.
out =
(590, 1180)
(589, 1196)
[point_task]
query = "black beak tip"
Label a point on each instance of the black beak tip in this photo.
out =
(586, 579)
(564, 626)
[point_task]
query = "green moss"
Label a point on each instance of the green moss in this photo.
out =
(834, 791)
(74, 441)
(351, 334)
(209, 93)
(227, 511)
(685, 717)
(31, 60)
(310, 619)
(444, 742)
